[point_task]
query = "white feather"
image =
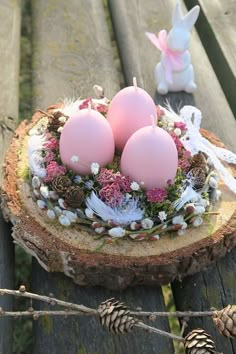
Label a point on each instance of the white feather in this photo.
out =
(124, 214)
(187, 195)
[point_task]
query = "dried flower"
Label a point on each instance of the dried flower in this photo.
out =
(134, 186)
(51, 214)
(95, 168)
(74, 158)
(50, 156)
(53, 170)
(177, 131)
(147, 223)
(51, 144)
(63, 220)
(117, 232)
(180, 125)
(111, 194)
(156, 195)
(162, 215)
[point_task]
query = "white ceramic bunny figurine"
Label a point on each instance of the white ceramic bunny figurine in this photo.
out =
(175, 71)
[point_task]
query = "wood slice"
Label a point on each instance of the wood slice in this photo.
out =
(116, 266)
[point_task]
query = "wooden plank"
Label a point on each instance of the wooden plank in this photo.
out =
(217, 30)
(139, 57)
(74, 52)
(9, 60)
(215, 287)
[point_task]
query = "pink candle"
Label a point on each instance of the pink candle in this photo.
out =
(86, 138)
(150, 157)
(129, 111)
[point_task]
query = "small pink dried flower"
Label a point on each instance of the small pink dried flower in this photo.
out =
(51, 144)
(53, 170)
(180, 125)
(111, 194)
(156, 195)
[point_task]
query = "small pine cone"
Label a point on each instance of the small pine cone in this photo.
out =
(60, 184)
(225, 321)
(74, 196)
(198, 160)
(54, 123)
(197, 175)
(199, 342)
(115, 316)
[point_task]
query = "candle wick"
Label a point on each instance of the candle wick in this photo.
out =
(135, 83)
(153, 121)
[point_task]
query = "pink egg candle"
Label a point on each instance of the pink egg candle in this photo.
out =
(150, 158)
(86, 138)
(129, 111)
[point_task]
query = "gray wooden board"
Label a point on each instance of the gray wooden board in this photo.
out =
(72, 52)
(214, 287)
(217, 30)
(131, 19)
(9, 61)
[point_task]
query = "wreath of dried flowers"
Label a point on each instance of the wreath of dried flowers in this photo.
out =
(109, 204)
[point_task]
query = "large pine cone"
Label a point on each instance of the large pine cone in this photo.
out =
(225, 321)
(56, 120)
(199, 342)
(115, 316)
(198, 160)
(60, 184)
(74, 196)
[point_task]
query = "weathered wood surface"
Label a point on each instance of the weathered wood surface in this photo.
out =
(214, 287)
(217, 30)
(131, 19)
(61, 66)
(9, 61)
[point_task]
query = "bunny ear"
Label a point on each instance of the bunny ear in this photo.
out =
(177, 15)
(191, 17)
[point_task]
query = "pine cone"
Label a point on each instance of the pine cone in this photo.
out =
(54, 122)
(199, 342)
(115, 316)
(60, 184)
(74, 196)
(197, 175)
(225, 321)
(198, 160)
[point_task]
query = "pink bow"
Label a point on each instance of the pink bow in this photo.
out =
(172, 58)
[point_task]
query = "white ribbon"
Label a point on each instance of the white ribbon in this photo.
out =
(194, 142)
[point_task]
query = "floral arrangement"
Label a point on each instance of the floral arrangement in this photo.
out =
(112, 205)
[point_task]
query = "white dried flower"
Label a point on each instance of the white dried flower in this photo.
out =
(77, 179)
(74, 158)
(178, 220)
(95, 168)
(70, 215)
(60, 129)
(199, 209)
(147, 223)
(63, 220)
(213, 183)
(99, 230)
(53, 195)
(177, 131)
(162, 215)
(36, 182)
(134, 186)
(198, 221)
(44, 191)
(61, 203)
(62, 119)
(184, 225)
(117, 232)
(41, 204)
(51, 214)
(89, 213)
(57, 210)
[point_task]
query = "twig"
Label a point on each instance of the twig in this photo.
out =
(159, 331)
(36, 314)
(50, 301)
(173, 314)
